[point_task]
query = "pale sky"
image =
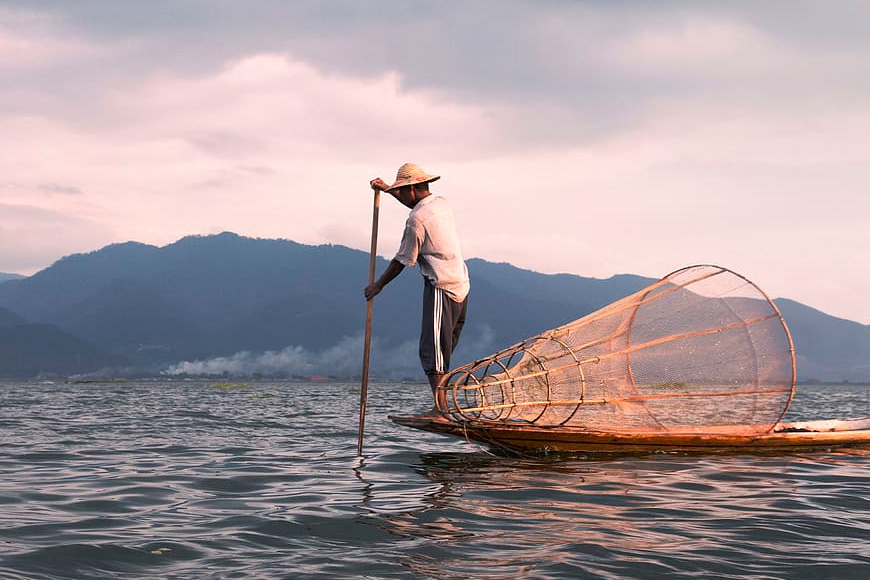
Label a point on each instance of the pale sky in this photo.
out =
(592, 138)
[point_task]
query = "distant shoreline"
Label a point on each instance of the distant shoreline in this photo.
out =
(289, 379)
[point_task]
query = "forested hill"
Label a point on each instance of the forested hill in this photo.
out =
(213, 303)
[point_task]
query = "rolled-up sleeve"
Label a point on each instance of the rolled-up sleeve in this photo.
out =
(409, 248)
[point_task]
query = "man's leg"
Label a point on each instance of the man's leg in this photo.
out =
(459, 322)
(452, 322)
(443, 320)
(438, 394)
(430, 333)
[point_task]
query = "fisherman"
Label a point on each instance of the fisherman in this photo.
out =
(429, 239)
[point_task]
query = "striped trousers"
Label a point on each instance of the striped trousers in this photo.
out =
(443, 319)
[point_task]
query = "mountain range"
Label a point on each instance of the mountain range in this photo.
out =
(226, 304)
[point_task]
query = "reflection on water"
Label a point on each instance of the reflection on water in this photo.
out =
(641, 517)
(190, 481)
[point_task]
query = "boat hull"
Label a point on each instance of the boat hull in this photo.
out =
(811, 435)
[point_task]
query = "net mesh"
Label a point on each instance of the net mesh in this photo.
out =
(701, 350)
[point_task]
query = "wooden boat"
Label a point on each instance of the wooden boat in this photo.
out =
(701, 360)
(798, 436)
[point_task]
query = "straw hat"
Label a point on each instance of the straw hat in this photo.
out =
(411, 174)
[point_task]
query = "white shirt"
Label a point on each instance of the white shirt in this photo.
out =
(430, 239)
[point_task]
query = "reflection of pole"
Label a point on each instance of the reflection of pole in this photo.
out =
(367, 346)
(367, 485)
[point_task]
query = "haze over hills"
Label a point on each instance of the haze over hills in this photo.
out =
(229, 304)
(4, 276)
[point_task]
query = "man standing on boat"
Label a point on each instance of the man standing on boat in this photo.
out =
(429, 240)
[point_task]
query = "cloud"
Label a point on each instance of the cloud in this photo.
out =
(30, 236)
(27, 42)
(52, 188)
(543, 71)
(274, 104)
(46, 188)
(592, 138)
(172, 155)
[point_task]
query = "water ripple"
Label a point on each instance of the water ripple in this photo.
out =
(183, 480)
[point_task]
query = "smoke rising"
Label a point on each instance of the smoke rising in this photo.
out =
(343, 360)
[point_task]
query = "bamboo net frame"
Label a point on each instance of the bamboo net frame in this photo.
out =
(701, 350)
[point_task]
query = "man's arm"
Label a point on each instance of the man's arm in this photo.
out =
(394, 269)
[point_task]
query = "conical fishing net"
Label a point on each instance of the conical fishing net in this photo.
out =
(702, 350)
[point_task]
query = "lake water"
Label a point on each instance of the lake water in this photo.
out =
(157, 479)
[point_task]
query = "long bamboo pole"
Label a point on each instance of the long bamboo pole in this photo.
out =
(367, 346)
